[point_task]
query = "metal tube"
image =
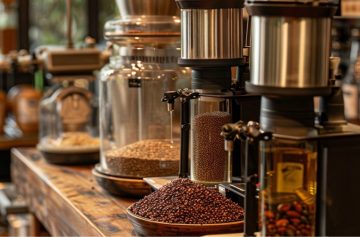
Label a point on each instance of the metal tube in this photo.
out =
(185, 130)
(70, 43)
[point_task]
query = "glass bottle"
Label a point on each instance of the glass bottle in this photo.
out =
(288, 187)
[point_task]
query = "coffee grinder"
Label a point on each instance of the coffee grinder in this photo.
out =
(211, 45)
(308, 161)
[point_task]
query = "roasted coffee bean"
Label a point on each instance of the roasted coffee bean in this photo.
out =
(282, 222)
(292, 214)
(269, 214)
(291, 219)
(298, 207)
(281, 230)
(295, 221)
(186, 202)
(284, 207)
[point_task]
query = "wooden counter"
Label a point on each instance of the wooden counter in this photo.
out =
(67, 200)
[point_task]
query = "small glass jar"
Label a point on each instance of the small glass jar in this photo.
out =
(139, 137)
(209, 161)
(288, 188)
(66, 120)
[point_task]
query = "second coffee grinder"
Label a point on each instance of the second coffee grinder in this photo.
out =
(304, 167)
(211, 45)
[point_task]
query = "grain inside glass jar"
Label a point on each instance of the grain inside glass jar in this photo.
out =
(209, 159)
(146, 158)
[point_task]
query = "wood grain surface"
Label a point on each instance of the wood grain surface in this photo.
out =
(8, 141)
(67, 200)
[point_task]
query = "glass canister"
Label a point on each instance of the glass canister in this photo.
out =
(209, 161)
(67, 125)
(288, 172)
(139, 138)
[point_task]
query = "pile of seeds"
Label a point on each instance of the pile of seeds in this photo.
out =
(145, 159)
(185, 202)
(209, 157)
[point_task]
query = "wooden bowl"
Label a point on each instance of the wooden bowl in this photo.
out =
(146, 227)
(69, 156)
(118, 186)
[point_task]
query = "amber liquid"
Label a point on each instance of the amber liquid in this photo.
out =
(288, 169)
(8, 40)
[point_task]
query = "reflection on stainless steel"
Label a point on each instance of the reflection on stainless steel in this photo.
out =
(147, 7)
(290, 52)
(211, 33)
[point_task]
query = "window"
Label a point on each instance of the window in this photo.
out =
(44, 22)
(48, 22)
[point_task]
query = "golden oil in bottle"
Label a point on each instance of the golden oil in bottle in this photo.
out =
(288, 188)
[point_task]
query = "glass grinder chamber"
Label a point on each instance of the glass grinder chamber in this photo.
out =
(136, 131)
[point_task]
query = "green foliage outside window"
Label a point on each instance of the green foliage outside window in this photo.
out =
(48, 21)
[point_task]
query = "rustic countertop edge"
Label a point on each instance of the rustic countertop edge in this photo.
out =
(42, 176)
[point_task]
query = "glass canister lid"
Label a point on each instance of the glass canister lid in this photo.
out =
(142, 26)
(147, 7)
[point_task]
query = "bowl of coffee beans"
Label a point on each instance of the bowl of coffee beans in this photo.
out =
(183, 207)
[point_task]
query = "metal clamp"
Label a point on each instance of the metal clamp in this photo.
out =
(251, 132)
(184, 94)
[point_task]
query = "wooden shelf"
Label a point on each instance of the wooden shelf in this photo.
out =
(12, 136)
(67, 200)
(8, 141)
